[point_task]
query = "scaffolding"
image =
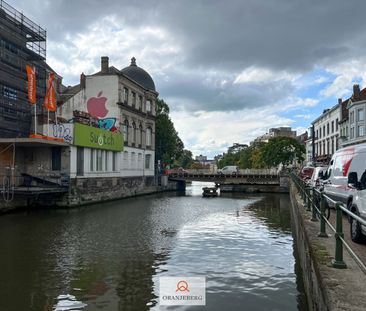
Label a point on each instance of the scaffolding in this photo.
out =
(34, 34)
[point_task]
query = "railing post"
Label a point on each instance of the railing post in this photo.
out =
(313, 210)
(322, 233)
(338, 262)
(308, 193)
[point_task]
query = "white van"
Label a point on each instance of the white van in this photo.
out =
(345, 181)
(228, 170)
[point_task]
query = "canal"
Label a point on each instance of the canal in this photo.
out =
(110, 256)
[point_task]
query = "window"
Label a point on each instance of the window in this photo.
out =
(352, 117)
(125, 95)
(327, 128)
(99, 160)
(320, 132)
(359, 130)
(141, 131)
(148, 106)
(140, 103)
(147, 161)
(148, 136)
(352, 133)
(317, 134)
(10, 93)
(332, 127)
(133, 99)
(134, 133)
(327, 148)
(133, 160)
(125, 130)
(125, 159)
(360, 115)
(114, 161)
(56, 158)
(324, 130)
(336, 124)
(105, 155)
(92, 151)
(139, 161)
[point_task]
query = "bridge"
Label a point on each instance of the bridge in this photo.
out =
(250, 181)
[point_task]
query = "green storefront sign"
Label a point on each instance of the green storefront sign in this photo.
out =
(88, 136)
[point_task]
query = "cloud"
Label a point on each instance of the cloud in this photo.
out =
(212, 132)
(252, 64)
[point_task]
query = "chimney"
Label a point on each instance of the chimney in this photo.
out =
(104, 64)
(339, 101)
(356, 92)
(82, 81)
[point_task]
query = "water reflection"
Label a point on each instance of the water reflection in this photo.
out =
(110, 257)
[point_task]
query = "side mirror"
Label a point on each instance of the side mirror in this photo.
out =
(352, 179)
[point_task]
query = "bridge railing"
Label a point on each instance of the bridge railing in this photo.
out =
(315, 202)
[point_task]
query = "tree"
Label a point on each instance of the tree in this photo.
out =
(283, 150)
(186, 159)
(169, 146)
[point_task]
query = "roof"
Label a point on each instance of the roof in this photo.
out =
(139, 75)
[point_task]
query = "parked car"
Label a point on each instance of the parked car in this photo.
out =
(306, 173)
(345, 181)
(317, 176)
(229, 170)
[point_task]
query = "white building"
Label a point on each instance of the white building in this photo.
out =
(326, 133)
(121, 102)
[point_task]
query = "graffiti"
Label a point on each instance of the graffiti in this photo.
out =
(108, 124)
(97, 106)
(60, 131)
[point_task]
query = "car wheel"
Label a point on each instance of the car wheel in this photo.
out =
(355, 228)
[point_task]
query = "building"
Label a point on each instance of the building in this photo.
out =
(353, 131)
(275, 132)
(22, 42)
(109, 122)
(326, 133)
(201, 158)
(236, 147)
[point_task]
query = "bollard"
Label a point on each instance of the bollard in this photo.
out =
(322, 233)
(338, 262)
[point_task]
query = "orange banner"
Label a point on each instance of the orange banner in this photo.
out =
(50, 98)
(31, 74)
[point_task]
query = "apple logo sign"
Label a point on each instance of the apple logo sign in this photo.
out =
(96, 106)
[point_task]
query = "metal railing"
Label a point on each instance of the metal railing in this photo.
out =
(315, 201)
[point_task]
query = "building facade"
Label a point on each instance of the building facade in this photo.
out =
(353, 127)
(326, 133)
(120, 107)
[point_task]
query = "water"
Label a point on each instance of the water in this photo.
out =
(110, 256)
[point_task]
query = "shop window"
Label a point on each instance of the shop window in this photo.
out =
(92, 151)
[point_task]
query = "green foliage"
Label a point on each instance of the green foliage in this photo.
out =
(186, 159)
(278, 150)
(283, 150)
(169, 147)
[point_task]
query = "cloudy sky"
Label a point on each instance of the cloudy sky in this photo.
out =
(229, 70)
